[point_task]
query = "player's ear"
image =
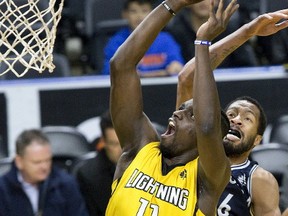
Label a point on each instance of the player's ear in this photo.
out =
(18, 162)
(258, 140)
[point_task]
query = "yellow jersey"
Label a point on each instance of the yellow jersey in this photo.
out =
(144, 191)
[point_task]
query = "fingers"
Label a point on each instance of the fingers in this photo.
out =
(284, 11)
(224, 14)
(231, 8)
(211, 8)
(229, 11)
(282, 14)
(282, 25)
(220, 9)
(234, 6)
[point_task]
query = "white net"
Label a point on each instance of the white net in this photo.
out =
(27, 34)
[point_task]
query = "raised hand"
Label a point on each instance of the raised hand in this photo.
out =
(269, 23)
(218, 21)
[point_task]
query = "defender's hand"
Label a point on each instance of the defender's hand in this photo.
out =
(269, 23)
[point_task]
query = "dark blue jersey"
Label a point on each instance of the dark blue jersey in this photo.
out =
(236, 198)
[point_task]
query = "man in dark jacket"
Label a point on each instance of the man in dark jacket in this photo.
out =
(96, 174)
(32, 187)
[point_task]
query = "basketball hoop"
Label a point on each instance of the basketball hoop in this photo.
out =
(27, 34)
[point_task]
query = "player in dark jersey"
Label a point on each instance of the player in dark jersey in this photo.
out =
(251, 190)
(236, 198)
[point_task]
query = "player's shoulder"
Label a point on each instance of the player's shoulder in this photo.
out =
(265, 192)
(263, 177)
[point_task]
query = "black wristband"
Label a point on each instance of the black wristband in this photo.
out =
(168, 8)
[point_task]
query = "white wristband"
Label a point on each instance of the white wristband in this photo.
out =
(202, 42)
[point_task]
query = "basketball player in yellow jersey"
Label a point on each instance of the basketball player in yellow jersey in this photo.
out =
(185, 171)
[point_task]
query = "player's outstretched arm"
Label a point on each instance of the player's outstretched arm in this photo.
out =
(264, 25)
(214, 166)
(133, 128)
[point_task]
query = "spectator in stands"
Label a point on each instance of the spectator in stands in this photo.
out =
(96, 175)
(32, 187)
(186, 23)
(160, 59)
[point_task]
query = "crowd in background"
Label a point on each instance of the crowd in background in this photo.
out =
(85, 51)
